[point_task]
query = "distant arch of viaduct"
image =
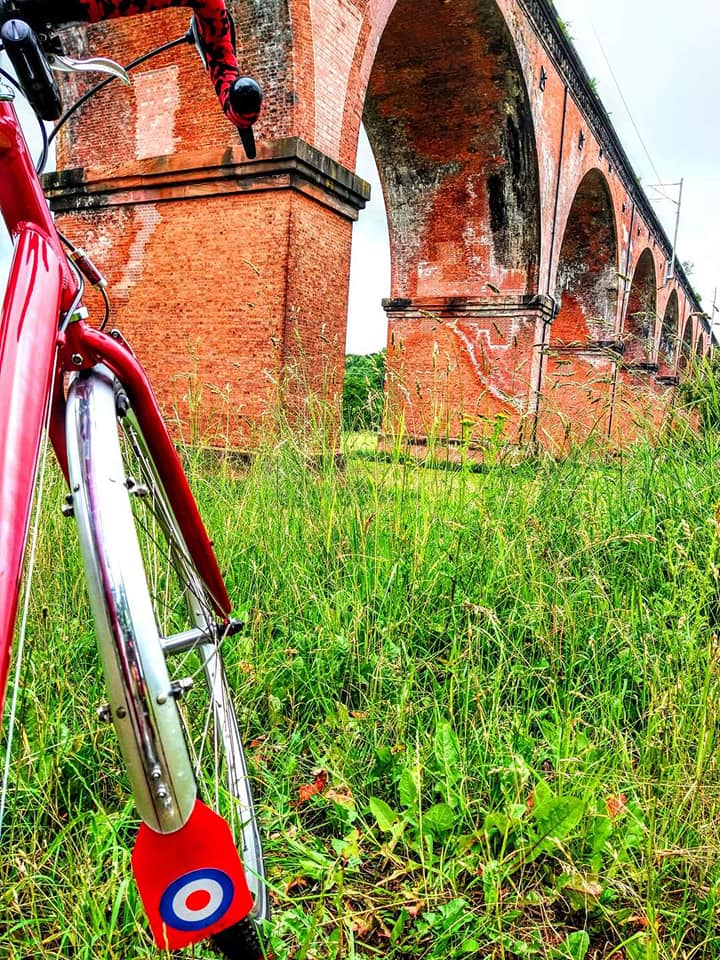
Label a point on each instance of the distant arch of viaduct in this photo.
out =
(532, 284)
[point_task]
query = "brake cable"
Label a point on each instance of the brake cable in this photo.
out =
(185, 38)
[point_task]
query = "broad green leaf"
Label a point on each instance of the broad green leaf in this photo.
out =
(447, 750)
(634, 828)
(384, 815)
(333, 944)
(554, 820)
(516, 812)
(311, 868)
(438, 819)
(452, 910)
(639, 947)
(579, 882)
(518, 947)
(542, 793)
(575, 947)
(600, 832)
(409, 788)
(348, 847)
(399, 926)
(496, 821)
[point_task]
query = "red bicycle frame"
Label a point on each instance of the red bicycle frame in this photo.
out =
(34, 355)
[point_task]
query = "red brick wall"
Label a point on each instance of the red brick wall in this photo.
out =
(318, 272)
(461, 370)
(669, 339)
(206, 339)
(587, 278)
(230, 286)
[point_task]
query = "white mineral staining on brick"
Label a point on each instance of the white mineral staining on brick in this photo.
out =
(145, 220)
(469, 340)
(157, 95)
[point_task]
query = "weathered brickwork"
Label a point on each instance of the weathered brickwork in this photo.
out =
(528, 283)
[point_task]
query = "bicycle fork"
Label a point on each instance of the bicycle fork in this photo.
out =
(183, 849)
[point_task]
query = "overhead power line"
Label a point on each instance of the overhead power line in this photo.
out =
(622, 97)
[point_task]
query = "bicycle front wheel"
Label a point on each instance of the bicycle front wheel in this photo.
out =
(160, 638)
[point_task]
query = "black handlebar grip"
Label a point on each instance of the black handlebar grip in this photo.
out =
(246, 98)
(32, 69)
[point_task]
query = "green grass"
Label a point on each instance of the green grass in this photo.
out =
(510, 678)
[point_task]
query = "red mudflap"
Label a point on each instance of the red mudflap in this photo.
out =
(191, 882)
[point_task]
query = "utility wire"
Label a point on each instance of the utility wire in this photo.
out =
(622, 97)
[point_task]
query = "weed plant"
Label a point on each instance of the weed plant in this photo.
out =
(481, 708)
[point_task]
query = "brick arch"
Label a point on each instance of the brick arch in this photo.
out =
(689, 344)
(641, 311)
(586, 285)
(669, 333)
(447, 114)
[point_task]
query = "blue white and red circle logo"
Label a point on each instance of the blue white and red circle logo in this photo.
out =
(197, 899)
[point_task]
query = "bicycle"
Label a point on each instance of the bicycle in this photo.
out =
(158, 599)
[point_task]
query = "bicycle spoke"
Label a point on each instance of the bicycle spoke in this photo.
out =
(22, 631)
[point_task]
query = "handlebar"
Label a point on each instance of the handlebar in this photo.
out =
(26, 54)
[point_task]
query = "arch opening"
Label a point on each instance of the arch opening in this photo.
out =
(448, 117)
(586, 285)
(369, 263)
(641, 313)
(689, 348)
(667, 351)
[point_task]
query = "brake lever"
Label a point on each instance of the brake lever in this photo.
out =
(92, 65)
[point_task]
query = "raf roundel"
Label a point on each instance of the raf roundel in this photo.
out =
(197, 899)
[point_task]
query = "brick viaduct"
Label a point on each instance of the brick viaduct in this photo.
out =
(529, 289)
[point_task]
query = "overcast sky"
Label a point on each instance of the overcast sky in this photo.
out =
(665, 56)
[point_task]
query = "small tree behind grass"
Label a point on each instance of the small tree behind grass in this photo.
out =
(364, 391)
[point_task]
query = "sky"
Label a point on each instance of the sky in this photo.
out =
(30, 126)
(664, 57)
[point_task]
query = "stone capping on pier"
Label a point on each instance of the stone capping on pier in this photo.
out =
(282, 163)
(503, 305)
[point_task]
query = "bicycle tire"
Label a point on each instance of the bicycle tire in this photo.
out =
(144, 589)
